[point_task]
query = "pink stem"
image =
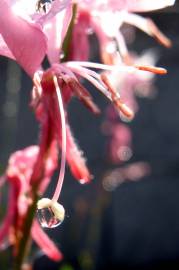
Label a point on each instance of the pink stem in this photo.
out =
(63, 147)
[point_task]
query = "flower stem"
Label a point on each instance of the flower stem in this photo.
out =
(23, 244)
(37, 176)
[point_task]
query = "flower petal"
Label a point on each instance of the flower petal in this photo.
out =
(44, 242)
(80, 47)
(19, 172)
(148, 26)
(25, 40)
(55, 30)
(76, 160)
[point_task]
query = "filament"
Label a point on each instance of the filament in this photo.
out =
(63, 144)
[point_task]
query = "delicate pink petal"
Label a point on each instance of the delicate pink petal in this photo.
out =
(148, 26)
(80, 48)
(55, 30)
(44, 242)
(26, 41)
(21, 163)
(76, 160)
(19, 172)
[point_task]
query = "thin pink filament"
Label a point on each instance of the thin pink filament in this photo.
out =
(63, 144)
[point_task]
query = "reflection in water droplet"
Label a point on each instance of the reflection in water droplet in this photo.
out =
(47, 218)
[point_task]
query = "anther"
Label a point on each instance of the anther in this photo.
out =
(156, 70)
(119, 104)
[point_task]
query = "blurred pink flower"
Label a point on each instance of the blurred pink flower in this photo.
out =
(119, 142)
(19, 175)
(102, 13)
(131, 172)
(139, 83)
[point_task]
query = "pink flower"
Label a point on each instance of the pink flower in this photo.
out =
(118, 12)
(45, 102)
(130, 172)
(46, 99)
(119, 135)
(19, 175)
(139, 83)
(29, 31)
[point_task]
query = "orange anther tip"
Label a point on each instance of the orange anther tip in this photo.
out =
(126, 110)
(156, 70)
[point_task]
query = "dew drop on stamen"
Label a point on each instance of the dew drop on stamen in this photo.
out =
(50, 214)
(43, 6)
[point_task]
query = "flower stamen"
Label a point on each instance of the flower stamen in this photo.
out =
(156, 70)
(119, 104)
(63, 147)
(83, 95)
(50, 212)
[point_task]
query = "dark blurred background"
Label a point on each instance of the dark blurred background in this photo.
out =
(136, 224)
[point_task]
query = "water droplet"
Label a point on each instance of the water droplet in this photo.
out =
(47, 218)
(50, 214)
(62, 55)
(43, 6)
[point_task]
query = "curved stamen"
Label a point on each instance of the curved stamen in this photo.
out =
(121, 68)
(63, 146)
(92, 77)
